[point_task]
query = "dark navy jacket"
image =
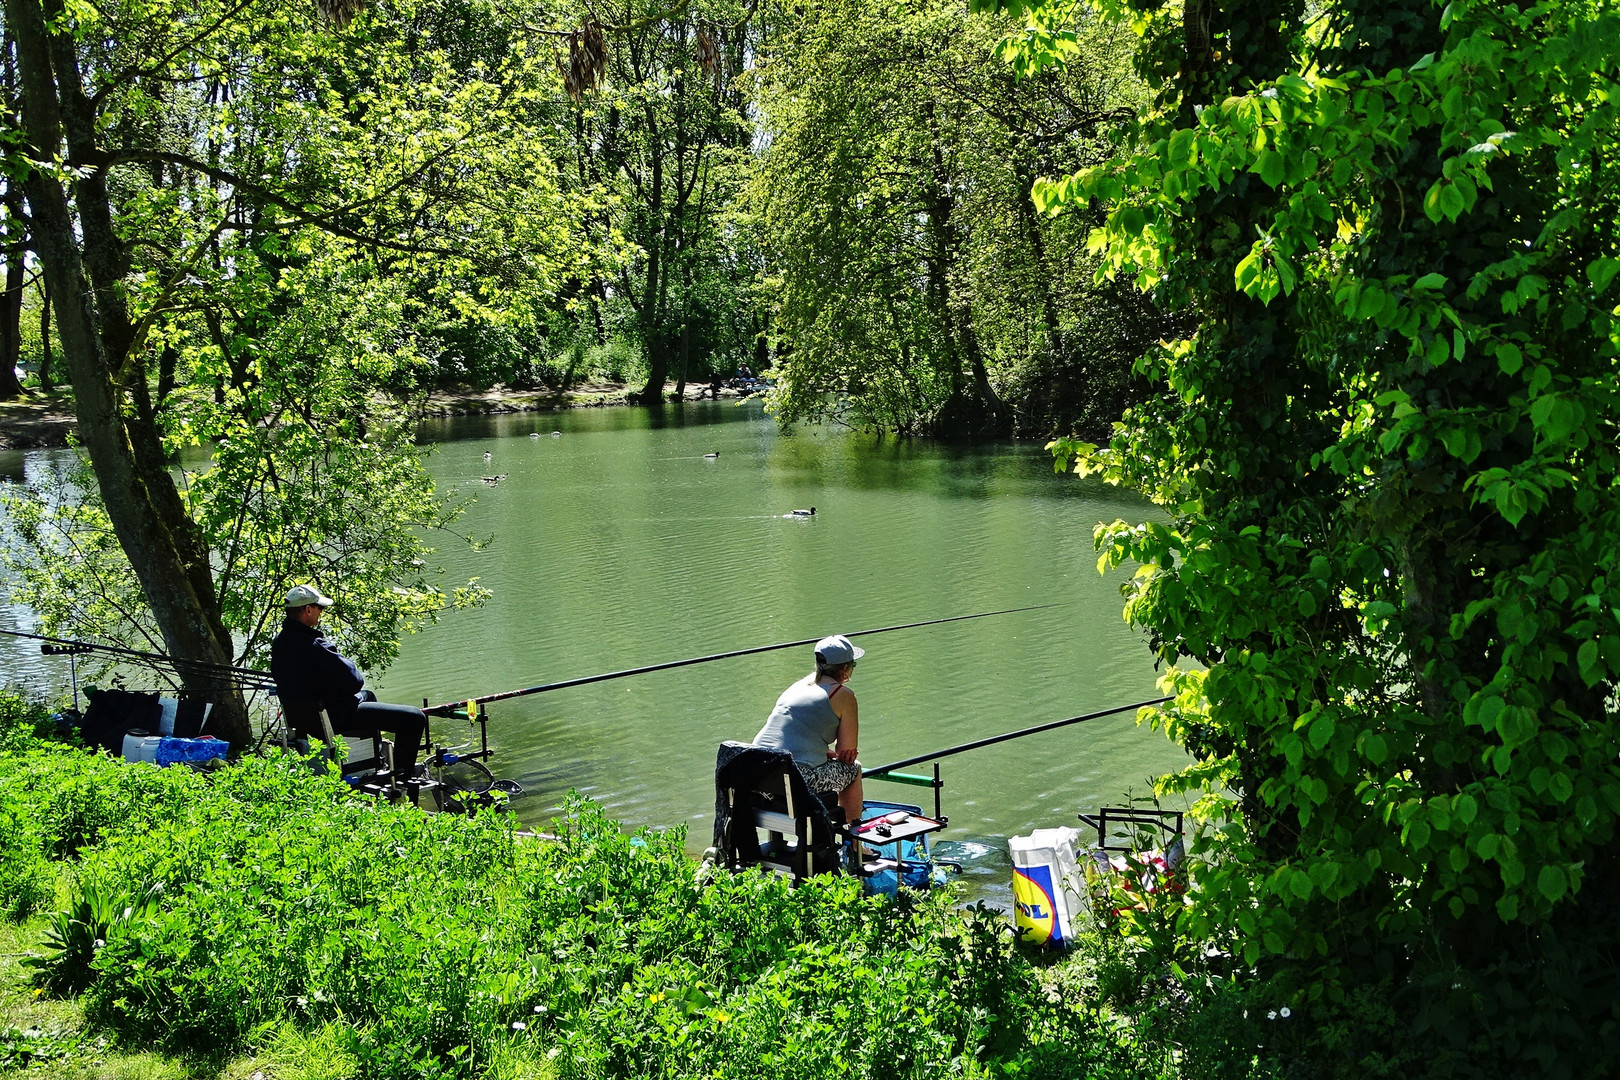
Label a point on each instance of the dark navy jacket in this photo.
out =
(307, 667)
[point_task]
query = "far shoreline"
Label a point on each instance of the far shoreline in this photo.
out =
(42, 423)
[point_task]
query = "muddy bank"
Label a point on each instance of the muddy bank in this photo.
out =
(34, 423)
(46, 422)
(501, 399)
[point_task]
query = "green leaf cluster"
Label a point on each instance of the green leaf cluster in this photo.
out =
(918, 286)
(1389, 453)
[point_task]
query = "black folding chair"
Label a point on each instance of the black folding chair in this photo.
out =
(759, 790)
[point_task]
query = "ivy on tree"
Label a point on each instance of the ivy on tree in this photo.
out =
(1388, 455)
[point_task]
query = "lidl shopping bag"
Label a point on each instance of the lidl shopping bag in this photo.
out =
(1048, 889)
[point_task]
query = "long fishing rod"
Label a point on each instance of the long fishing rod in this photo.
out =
(198, 667)
(964, 747)
(449, 707)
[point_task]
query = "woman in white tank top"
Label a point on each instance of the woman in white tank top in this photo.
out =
(817, 721)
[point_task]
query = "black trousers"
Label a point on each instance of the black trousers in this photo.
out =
(407, 723)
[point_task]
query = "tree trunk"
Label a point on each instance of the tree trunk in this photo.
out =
(47, 383)
(14, 245)
(762, 342)
(84, 264)
(686, 333)
(11, 320)
(651, 332)
(686, 355)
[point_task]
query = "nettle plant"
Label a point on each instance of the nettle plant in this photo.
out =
(1387, 453)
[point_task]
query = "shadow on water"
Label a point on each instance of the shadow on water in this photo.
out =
(445, 429)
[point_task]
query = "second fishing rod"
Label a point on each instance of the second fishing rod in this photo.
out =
(470, 705)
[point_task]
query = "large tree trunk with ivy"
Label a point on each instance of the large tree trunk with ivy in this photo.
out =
(84, 267)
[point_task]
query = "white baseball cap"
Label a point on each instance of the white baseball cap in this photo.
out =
(836, 651)
(304, 595)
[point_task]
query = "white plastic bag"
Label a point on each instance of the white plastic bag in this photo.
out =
(1048, 890)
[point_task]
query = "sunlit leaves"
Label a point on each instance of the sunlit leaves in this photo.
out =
(1389, 458)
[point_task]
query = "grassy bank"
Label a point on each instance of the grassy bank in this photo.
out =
(263, 920)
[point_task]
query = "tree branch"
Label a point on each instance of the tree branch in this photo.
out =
(300, 215)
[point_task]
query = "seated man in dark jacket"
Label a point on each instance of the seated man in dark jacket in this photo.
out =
(308, 669)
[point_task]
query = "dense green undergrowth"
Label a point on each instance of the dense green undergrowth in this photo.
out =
(263, 921)
(207, 917)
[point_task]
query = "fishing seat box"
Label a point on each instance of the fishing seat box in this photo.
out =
(113, 714)
(756, 790)
(365, 752)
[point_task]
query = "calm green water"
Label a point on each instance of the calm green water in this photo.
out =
(618, 544)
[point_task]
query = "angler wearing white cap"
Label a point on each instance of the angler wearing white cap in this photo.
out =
(311, 673)
(816, 721)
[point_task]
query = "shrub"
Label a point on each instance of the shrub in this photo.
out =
(25, 875)
(23, 721)
(219, 913)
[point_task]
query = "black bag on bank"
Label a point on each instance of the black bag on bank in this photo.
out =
(112, 714)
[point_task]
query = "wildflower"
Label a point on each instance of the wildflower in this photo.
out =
(653, 999)
(722, 1017)
(518, 1025)
(1285, 1012)
(539, 1008)
(1272, 1015)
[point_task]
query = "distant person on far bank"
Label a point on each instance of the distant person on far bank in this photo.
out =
(309, 671)
(816, 720)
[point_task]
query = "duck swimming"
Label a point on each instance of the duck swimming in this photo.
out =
(712, 456)
(493, 480)
(801, 513)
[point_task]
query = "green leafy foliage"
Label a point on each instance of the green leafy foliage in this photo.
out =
(286, 203)
(25, 879)
(1388, 452)
(216, 913)
(919, 289)
(21, 1048)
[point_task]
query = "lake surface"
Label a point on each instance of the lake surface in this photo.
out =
(618, 544)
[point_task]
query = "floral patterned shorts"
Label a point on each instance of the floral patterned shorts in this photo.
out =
(829, 776)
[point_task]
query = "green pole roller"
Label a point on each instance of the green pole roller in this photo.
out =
(905, 778)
